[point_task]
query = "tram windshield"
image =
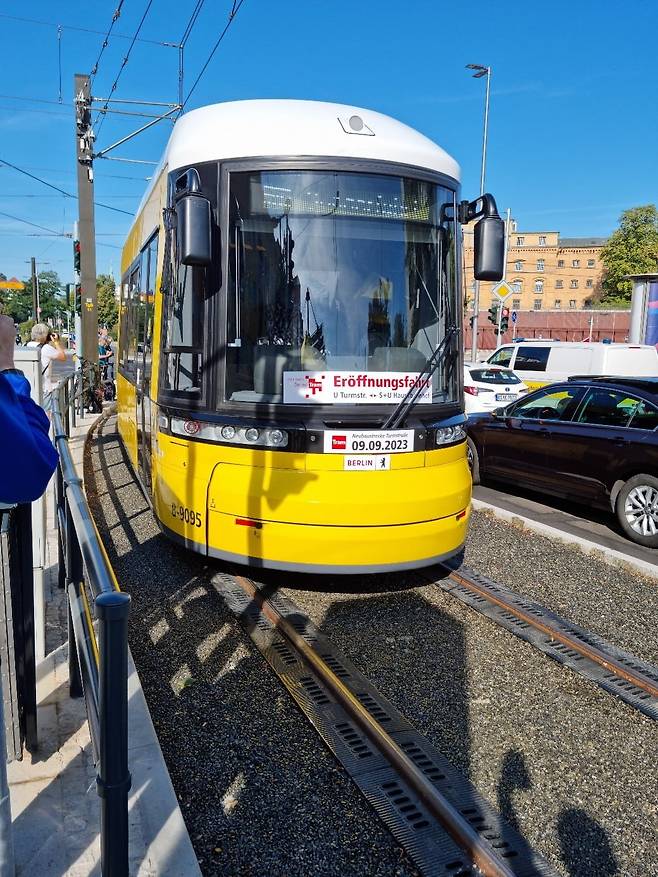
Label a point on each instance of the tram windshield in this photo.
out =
(341, 285)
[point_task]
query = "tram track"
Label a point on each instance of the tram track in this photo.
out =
(445, 826)
(616, 671)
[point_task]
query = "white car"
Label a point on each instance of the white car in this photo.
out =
(487, 387)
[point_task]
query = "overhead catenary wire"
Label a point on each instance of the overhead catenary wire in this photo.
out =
(35, 225)
(101, 113)
(237, 4)
(121, 36)
(63, 192)
(104, 44)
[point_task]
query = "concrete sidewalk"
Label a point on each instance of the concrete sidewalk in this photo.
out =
(55, 807)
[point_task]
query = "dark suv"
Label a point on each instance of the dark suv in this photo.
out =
(592, 440)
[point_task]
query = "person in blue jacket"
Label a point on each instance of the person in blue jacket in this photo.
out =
(27, 456)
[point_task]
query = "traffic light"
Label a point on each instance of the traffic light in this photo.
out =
(504, 320)
(76, 257)
(471, 320)
(493, 314)
(78, 298)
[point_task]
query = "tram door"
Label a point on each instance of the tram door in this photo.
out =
(145, 360)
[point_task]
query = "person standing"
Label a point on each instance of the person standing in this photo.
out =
(27, 456)
(50, 351)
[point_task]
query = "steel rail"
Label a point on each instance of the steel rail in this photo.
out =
(588, 651)
(442, 810)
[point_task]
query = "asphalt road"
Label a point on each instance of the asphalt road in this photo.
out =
(594, 525)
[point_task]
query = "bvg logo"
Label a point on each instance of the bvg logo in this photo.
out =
(313, 386)
(338, 442)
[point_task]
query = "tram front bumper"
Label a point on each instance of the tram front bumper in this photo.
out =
(335, 521)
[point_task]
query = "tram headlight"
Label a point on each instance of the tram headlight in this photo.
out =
(252, 434)
(276, 436)
(228, 433)
(448, 435)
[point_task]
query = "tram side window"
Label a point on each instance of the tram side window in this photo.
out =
(145, 336)
(135, 317)
(183, 330)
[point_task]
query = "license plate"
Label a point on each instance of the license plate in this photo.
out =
(505, 397)
(361, 441)
(367, 463)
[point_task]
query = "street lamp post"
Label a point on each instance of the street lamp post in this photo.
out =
(480, 71)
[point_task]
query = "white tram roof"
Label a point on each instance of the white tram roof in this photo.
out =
(290, 128)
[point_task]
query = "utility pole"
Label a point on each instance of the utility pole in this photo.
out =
(35, 290)
(480, 71)
(84, 140)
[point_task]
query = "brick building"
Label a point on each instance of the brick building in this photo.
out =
(547, 272)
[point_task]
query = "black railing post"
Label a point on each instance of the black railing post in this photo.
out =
(113, 780)
(60, 515)
(74, 573)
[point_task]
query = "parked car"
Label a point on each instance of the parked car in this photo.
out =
(488, 387)
(590, 440)
(543, 362)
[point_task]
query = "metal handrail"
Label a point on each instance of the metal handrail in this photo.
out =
(98, 665)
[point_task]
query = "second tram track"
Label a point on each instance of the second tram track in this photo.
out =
(447, 828)
(616, 671)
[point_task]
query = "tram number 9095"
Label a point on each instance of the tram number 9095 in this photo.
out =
(188, 516)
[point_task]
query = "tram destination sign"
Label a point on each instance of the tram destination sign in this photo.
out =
(349, 387)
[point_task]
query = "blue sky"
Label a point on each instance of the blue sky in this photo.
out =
(573, 128)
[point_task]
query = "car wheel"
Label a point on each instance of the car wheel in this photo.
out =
(637, 510)
(473, 460)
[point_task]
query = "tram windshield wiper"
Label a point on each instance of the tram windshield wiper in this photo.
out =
(404, 406)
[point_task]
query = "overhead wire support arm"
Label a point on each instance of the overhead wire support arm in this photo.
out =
(150, 124)
(121, 100)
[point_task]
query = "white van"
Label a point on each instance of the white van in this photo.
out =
(544, 362)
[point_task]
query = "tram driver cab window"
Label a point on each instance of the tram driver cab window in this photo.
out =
(334, 271)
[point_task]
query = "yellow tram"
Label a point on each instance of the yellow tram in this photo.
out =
(290, 366)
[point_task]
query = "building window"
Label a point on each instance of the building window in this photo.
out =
(537, 305)
(590, 283)
(560, 263)
(520, 242)
(517, 285)
(540, 264)
(518, 265)
(590, 263)
(572, 303)
(516, 304)
(558, 304)
(558, 284)
(576, 263)
(539, 285)
(542, 240)
(574, 284)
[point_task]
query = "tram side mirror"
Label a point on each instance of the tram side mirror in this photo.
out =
(488, 237)
(194, 230)
(489, 249)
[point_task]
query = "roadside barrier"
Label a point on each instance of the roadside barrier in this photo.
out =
(98, 664)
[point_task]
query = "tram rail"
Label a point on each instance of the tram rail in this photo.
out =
(446, 827)
(616, 671)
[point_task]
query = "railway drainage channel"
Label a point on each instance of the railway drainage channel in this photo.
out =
(617, 672)
(435, 814)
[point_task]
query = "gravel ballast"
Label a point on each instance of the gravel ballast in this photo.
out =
(259, 792)
(573, 768)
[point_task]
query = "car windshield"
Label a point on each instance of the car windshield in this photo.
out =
(335, 276)
(494, 376)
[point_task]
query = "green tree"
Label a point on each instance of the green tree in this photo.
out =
(18, 303)
(631, 249)
(108, 307)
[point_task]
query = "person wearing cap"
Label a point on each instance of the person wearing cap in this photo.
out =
(27, 456)
(42, 337)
